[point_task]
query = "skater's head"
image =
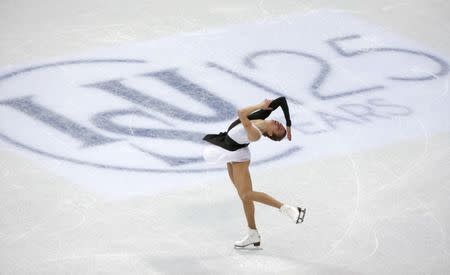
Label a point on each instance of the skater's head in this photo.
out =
(275, 130)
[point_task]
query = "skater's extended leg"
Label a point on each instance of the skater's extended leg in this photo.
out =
(243, 183)
(249, 207)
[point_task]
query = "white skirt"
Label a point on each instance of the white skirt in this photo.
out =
(216, 154)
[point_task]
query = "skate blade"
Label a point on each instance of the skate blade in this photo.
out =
(256, 245)
(301, 215)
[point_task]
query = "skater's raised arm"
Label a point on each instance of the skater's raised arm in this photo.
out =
(281, 101)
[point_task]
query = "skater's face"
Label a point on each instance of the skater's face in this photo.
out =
(276, 130)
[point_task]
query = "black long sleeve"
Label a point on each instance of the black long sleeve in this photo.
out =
(223, 140)
(263, 114)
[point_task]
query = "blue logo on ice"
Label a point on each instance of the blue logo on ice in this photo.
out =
(151, 118)
(143, 142)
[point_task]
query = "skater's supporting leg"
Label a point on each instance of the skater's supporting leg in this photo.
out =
(243, 183)
(249, 207)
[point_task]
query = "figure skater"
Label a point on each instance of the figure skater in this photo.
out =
(231, 147)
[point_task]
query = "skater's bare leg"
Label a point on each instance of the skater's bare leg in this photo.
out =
(249, 207)
(243, 183)
(263, 198)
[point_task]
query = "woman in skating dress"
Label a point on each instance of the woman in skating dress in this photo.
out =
(231, 147)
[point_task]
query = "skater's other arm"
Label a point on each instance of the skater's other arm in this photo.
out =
(252, 133)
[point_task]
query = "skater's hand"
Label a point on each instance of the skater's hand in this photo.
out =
(265, 104)
(289, 134)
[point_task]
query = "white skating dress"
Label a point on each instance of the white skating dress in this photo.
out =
(216, 154)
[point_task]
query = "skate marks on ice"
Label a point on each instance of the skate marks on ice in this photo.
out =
(399, 213)
(407, 217)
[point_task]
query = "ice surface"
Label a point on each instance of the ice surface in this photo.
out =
(376, 191)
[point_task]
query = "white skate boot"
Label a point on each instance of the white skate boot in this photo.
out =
(252, 238)
(296, 214)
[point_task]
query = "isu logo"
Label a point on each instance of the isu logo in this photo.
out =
(148, 122)
(134, 115)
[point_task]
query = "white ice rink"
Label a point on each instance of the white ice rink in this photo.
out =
(102, 105)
